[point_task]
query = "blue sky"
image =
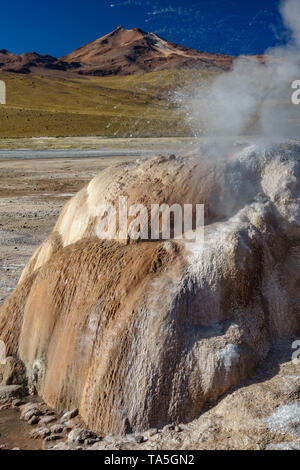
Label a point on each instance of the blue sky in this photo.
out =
(57, 27)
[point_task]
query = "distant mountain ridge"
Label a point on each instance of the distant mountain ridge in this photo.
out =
(121, 52)
(29, 62)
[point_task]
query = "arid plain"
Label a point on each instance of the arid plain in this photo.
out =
(32, 194)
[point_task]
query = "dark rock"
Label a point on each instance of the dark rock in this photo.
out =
(69, 415)
(13, 372)
(168, 427)
(40, 433)
(48, 419)
(30, 414)
(80, 435)
(27, 407)
(17, 402)
(57, 429)
(90, 442)
(8, 392)
(52, 437)
(34, 420)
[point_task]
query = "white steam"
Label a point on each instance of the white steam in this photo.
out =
(255, 96)
(290, 11)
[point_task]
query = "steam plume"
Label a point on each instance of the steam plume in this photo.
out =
(255, 96)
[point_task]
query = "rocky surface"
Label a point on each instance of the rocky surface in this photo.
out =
(47, 425)
(262, 414)
(8, 393)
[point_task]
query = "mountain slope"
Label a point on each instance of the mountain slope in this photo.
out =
(121, 52)
(29, 62)
(129, 51)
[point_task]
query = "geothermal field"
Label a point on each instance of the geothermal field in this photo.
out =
(149, 247)
(139, 335)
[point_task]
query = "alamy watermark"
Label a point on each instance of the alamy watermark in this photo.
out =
(296, 353)
(152, 222)
(296, 95)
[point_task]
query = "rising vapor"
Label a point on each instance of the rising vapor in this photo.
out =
(255, 96)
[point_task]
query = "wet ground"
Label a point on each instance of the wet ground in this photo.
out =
(15, 434)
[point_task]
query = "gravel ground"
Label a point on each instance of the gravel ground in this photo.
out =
(32, 194)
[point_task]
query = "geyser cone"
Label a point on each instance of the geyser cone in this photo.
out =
(143, 334)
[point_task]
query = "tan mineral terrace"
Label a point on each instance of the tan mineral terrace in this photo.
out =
(143, 334)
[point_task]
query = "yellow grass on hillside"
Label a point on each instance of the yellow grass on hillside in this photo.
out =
(79, 106)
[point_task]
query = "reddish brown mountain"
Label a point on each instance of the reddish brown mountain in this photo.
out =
(129, 51)
(29, 62)
(121, 52)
